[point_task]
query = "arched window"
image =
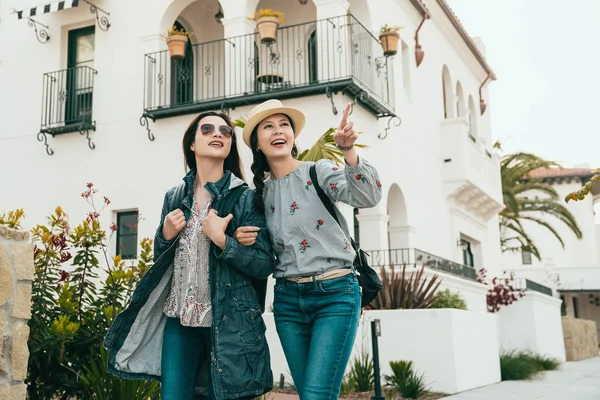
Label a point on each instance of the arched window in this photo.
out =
(460, 101)
(447, 93)
(182, 74)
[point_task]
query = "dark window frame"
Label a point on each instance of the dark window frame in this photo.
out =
(119, 252)
(78, 100)
(526, 258)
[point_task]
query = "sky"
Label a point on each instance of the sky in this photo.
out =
(546, 55)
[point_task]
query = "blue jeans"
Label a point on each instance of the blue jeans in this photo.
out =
(317, 323)
(182, 351)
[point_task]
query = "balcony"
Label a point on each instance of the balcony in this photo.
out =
(529, 285)
(67, 97)
(417, 258)
(471, 173)
(320, 57)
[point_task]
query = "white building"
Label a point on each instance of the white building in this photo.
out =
(575, 269)
(96, 86)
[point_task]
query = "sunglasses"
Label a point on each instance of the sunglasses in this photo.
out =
(224, 130)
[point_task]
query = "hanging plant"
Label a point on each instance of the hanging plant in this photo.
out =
(267, 22)
(176, 41)
(389, 37)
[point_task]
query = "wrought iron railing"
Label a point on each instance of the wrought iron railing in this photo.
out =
(526, 284)
(416, 257)
(242, 69)
(67, 97)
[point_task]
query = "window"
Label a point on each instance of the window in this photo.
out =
(356, 228)
(467, 253)
(80, 70)
(182, 74)
(575, 307)
(563, 306)
(526, 256)
(312, 58)
(127, 232)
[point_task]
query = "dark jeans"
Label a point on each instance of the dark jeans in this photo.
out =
(183, 349)
(317, 323)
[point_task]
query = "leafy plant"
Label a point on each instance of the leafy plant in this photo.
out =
(105, 386)
(517, 365)
(12, 219)
(174, 31)
(402, 291)
(324, 148)
(390, 28)
(447, 299)
(347, 386)
(361, 375)
(502, 291)
(70, 315)
(521, 204)
(585, 190)
(406, 381)
(268, 13)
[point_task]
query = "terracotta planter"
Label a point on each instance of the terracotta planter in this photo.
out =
(177, 45)
(389, 42)
(267, 29)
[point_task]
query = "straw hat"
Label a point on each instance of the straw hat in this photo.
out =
(269, 108)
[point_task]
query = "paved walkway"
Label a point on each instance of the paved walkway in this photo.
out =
(572, 381)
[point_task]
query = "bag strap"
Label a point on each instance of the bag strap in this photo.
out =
(329, 206)
(324, 198)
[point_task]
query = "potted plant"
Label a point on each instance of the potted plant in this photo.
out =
(177, 40)
(389, 36)
(267, 22)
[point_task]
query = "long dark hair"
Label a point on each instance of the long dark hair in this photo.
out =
(232, 161)
(260, 165)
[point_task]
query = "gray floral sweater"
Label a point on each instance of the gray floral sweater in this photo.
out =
(306, 238)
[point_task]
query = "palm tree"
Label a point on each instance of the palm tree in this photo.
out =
(324, 148)
(585, 190)
(521, 203)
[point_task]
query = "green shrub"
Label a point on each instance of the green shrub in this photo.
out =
(525, 365)
(406, 381)
(361, 375)
(347, 386)
(72, 308)
(447, 299)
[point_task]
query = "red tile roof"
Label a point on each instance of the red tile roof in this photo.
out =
(561, 172)
(463, 32)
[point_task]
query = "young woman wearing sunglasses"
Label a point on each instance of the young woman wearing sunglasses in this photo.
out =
(196, 313)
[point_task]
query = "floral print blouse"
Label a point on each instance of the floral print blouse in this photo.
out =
(306, 238)
(189, 298)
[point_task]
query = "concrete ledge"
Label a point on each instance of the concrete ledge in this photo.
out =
(532, 323)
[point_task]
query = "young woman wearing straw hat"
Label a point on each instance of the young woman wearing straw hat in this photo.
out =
(316, 295)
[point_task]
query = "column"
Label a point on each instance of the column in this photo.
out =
(334, 42)
(238, 46)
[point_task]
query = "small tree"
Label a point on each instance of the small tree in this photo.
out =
(70, 314)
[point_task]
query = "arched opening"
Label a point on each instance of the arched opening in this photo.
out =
(292, 60)
(447, 93)
(398, 227)
(472, 118)
(460, 101)
(193, 77)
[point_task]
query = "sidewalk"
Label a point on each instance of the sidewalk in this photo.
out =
(573, 381)
(578, 380)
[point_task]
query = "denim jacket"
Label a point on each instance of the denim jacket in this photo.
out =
(240, 360)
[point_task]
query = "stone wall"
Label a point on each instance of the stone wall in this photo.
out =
(16, 275)
(581, 338)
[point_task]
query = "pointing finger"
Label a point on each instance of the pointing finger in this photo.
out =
(345, 116)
